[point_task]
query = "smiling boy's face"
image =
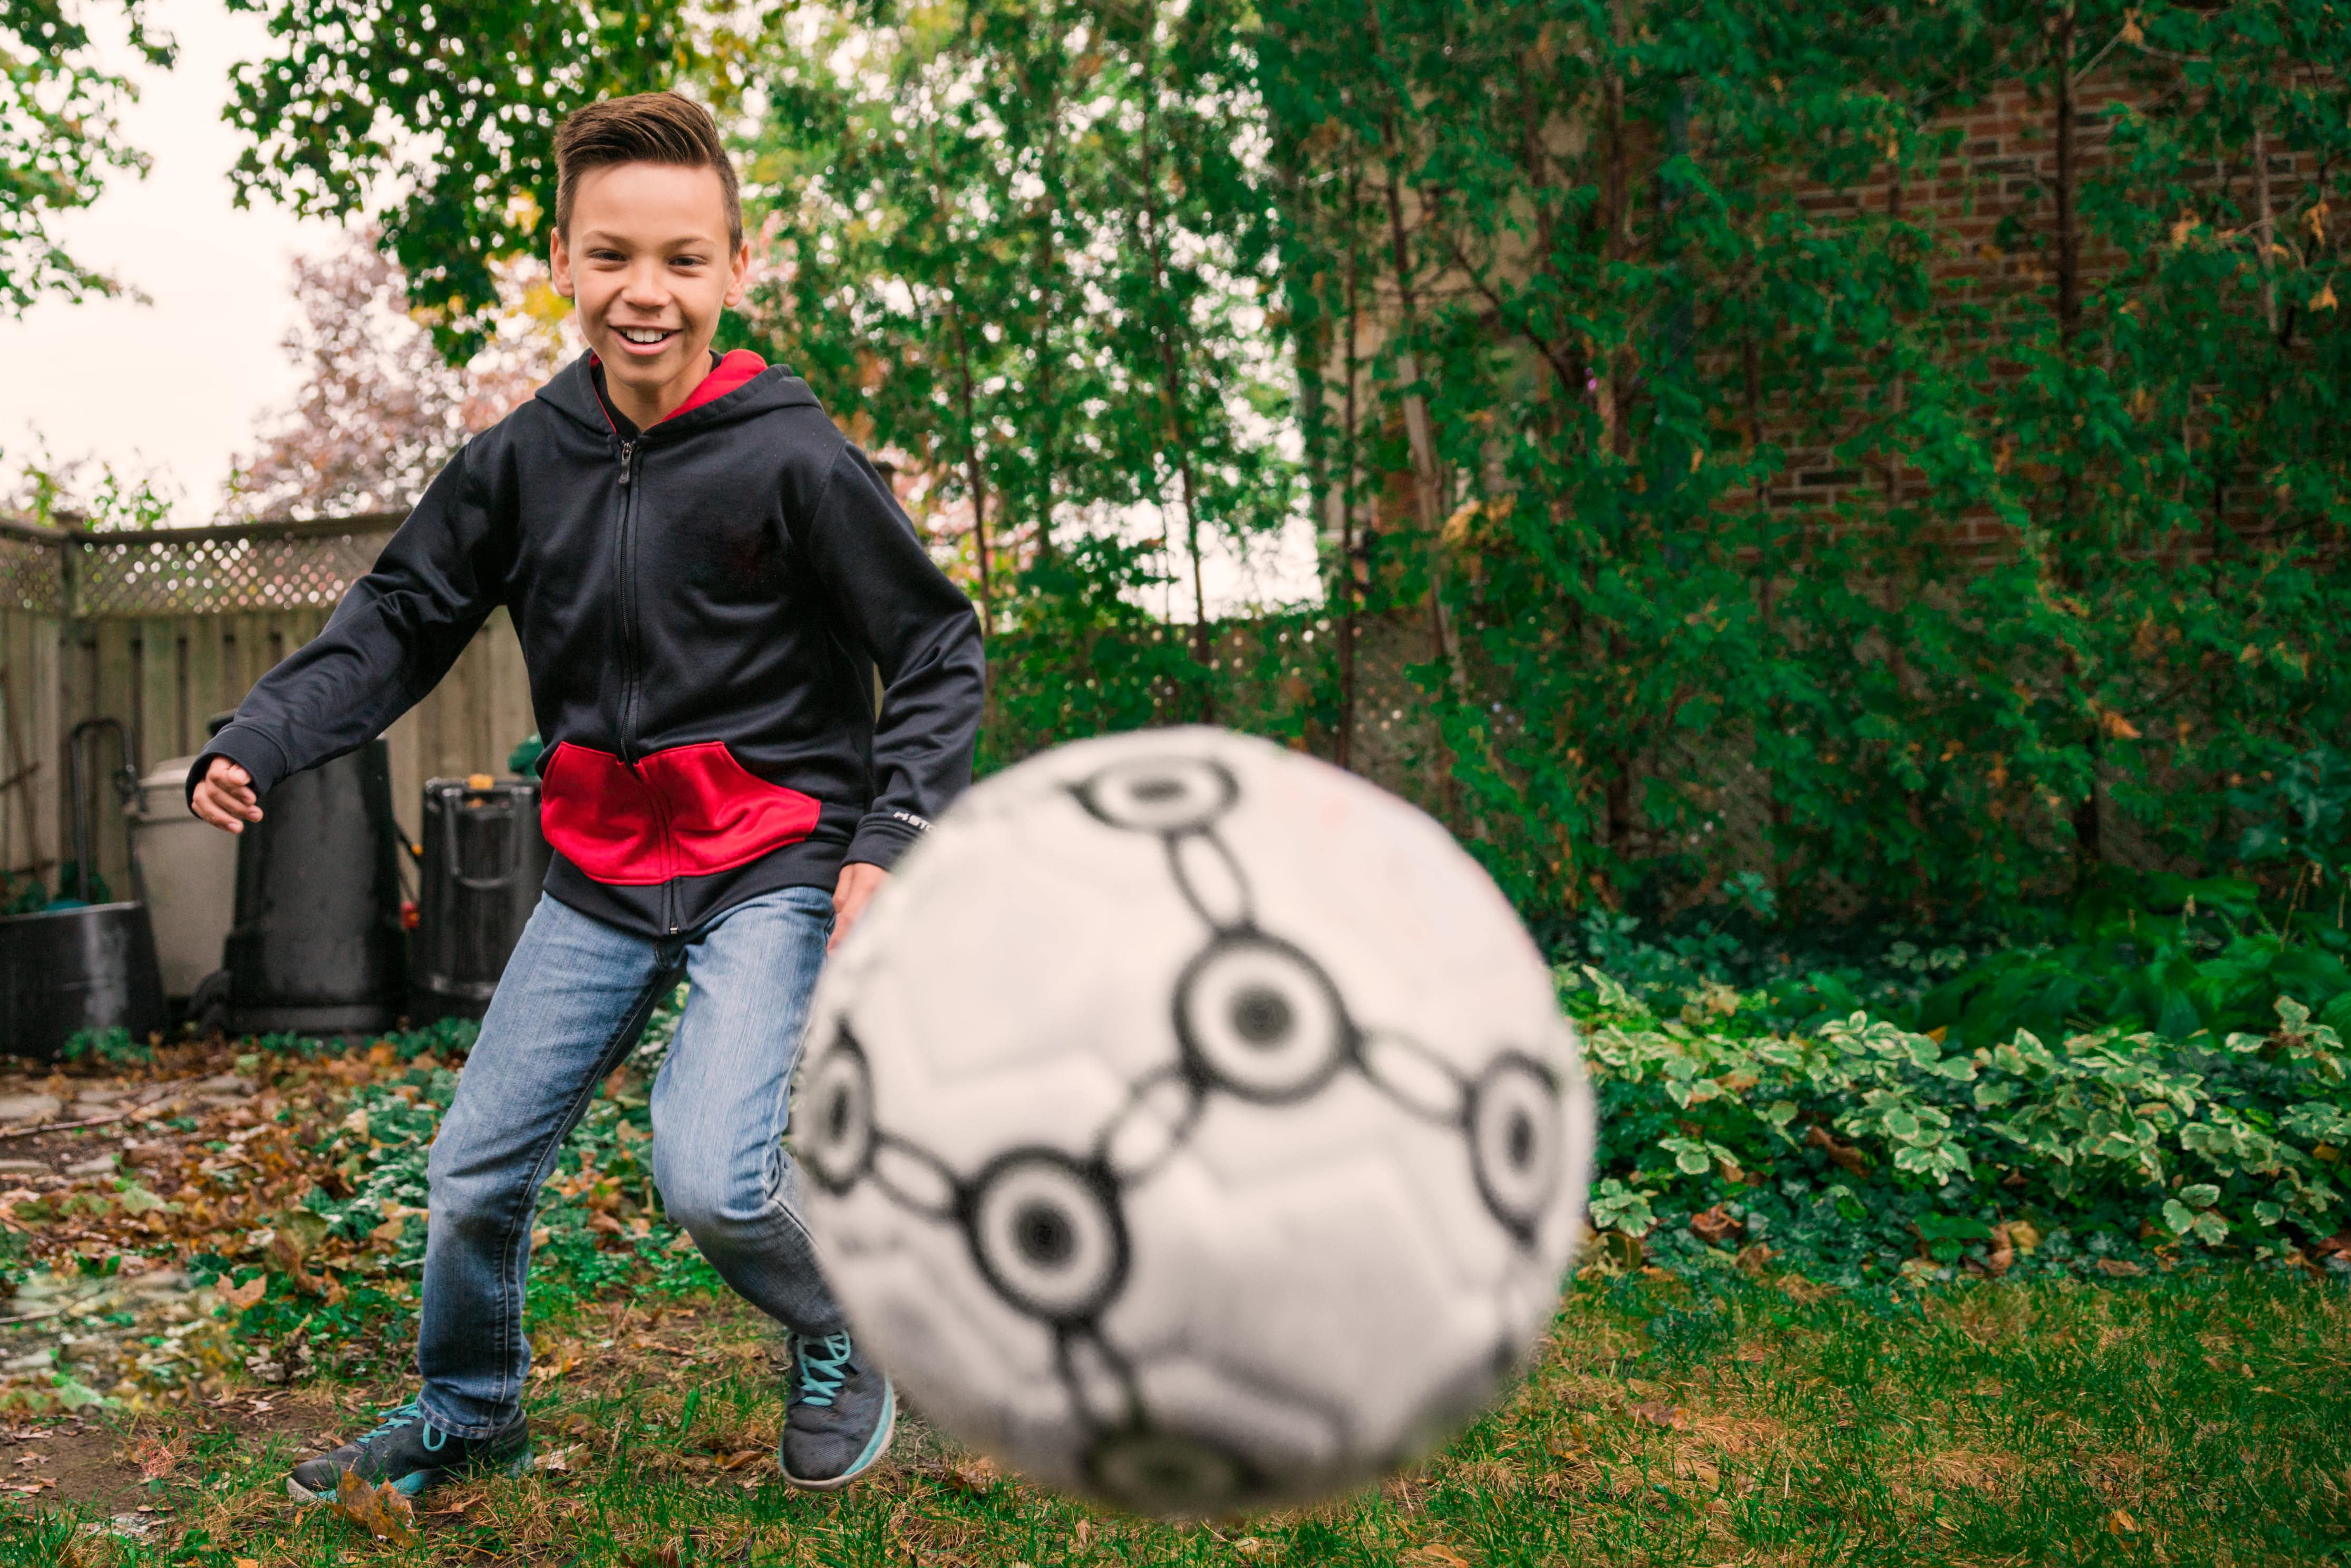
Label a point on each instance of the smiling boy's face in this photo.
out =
(647, 262)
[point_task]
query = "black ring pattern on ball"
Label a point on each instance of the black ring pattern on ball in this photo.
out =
(1078, 1323)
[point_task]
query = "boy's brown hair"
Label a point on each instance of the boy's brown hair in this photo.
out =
(644, 128)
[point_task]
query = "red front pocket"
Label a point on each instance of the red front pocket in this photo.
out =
(721, 814)
(600, 816)
(690, 810)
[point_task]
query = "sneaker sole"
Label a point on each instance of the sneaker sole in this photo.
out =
(409, 1485)
(875, 1446)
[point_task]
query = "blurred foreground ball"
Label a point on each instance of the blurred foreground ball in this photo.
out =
(1193, 1125)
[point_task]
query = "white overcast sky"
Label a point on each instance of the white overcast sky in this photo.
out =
(176, 384)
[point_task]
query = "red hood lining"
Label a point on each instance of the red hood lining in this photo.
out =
(737, 368)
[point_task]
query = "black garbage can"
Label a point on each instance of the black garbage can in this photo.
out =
(318, 947)
(484, 861)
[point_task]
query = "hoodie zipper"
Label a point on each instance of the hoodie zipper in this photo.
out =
(631, 672)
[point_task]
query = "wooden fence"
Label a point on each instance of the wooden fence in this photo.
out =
(164, 629)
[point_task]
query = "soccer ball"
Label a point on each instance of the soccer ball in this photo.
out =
(1193, 1125)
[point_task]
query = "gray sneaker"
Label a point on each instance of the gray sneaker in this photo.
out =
(840, 1416)
(412, 1454)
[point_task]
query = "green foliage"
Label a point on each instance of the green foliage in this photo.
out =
(2174, 958)
(1631, 341)
(86, 492)
(58, 142)
(1553, 311)
(2303, 814)
(438, 121)
(1022, 251)
(114, 1047)
(1854, 1147)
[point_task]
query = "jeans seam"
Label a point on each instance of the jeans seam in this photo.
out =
(510, 1322)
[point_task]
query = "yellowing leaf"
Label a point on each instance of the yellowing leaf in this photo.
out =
(381, 1510)
(1457, 526)
(245, 1295)
(2326, 301)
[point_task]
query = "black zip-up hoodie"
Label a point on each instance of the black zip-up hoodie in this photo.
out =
(703, 607)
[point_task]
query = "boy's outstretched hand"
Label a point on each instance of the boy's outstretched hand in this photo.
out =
(858, 883)
(224, 797)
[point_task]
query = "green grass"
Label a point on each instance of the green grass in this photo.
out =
(2199, 1417)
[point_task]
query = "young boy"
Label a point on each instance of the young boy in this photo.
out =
(705, 576)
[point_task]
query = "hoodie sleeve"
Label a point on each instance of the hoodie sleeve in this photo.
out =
(389, 643)
(922, 634)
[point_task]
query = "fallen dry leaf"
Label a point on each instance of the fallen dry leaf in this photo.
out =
(1434, 1554)
(1713, 1225)
(2122, 1523)
(245, 1295)
(2002, 1255)
(1845, 1156)
(559, 1459)
(741, 1457)
(1672, 1415)
(978, 1473)
(381, 1510)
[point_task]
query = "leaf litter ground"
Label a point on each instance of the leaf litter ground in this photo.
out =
(180, 1335)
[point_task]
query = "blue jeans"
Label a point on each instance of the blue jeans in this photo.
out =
(571, 1004)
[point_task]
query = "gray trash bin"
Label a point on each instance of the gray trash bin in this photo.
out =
(191, 871)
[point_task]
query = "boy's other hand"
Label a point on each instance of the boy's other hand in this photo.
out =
(858, 883)
(224, 797)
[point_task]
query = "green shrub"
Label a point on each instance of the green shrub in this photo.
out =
(2160, 954)
(113, 1047)
(1859, 1146)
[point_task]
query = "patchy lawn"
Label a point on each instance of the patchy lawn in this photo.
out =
(2187, 1419)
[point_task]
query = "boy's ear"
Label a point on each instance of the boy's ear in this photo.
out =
(740, 278)
(558, 262)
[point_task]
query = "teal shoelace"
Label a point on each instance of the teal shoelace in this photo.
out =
(824, 1366)
(405, 1415)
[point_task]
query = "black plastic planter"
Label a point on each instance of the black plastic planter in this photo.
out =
(66, 970)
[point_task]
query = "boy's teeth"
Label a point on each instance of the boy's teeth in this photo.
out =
(644, 334)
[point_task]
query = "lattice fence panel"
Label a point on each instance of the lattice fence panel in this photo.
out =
(214, 571)
(30, 577)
